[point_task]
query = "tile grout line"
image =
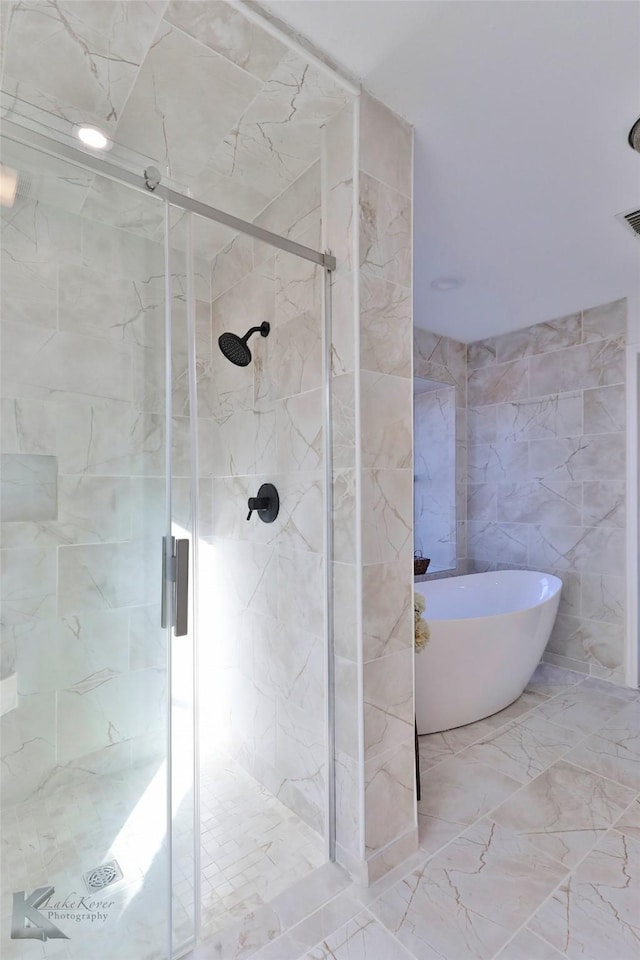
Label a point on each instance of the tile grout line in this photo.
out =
(584, 737)
(405, 950)
(288, 932)
(570, 873)
(562, 757)
(499, 731)
(618, 783)
(530, 356)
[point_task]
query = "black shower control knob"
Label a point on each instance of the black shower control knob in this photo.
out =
(267, 503)
(257, 503)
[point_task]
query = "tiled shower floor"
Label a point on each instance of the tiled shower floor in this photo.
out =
(529, 828)
(253, 848)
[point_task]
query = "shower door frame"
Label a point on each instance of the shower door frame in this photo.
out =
(632, 651)
(150, 182)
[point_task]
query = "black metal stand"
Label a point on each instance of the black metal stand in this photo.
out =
(417, 763)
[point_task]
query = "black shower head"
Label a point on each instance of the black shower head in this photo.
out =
(236, 349)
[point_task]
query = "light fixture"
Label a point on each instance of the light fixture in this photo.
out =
(8, 186)
(446, 283)
(94, 138)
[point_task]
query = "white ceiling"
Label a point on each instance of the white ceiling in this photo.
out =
(521, 111)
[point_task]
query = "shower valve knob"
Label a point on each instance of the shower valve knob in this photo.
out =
(267, 503)
(257, 503)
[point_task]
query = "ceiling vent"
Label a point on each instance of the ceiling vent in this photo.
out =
(631, 221)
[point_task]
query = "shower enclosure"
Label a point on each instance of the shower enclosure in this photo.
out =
(167, 663)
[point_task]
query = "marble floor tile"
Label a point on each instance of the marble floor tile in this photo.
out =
(626, 694)
(455, 793)
(527, 946)
(311, 931)
(614, 752)
(629, 822)
(255, 848)
(582, 710)
(362, 938)
(594, 913)
(524, 749)
(564, 812)
(435, 832)
(367, 895)
(627, 720)
(529, 700)
(434, 747)
(552, 680)
(468, 900)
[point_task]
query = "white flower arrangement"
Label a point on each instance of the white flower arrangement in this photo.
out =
(421, 627)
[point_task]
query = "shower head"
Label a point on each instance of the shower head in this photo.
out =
(236, 349)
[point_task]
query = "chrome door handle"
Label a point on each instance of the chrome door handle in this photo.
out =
(167, 578)
(175, 584)
(182, 588)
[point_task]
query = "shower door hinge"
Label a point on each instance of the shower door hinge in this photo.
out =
(175, 584)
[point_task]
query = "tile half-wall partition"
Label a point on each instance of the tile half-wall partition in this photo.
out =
(545, 487)
(373, 470)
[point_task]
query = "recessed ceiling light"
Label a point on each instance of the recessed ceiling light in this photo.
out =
(92, 137)
(8, 186)
(446, 283)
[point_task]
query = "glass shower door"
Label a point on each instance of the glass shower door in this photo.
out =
(85, 663)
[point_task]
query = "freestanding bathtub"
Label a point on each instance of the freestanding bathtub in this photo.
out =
(488, 632)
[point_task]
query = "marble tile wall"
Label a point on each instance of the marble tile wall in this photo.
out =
(224, 108)
(540, 450)
(442, 360)
(386, 478)
(373, 470)
(546, 480)
(434, 487)
(266, 596)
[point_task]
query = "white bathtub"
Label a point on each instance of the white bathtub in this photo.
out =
(488, 632)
